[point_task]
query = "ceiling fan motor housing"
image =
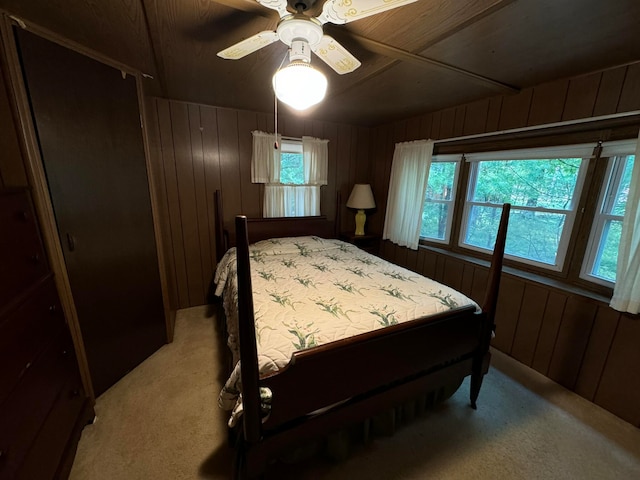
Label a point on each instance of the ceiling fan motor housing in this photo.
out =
(300, 28)
(301, 5)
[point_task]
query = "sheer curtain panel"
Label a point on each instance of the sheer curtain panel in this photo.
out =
(407, 187)
(291, 201)
(265, 160)
(626, 293)
(315, 159)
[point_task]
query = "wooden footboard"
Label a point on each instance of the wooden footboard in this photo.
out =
(348, 380)
(356, 366)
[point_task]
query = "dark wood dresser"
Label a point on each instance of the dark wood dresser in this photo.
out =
(43, 406)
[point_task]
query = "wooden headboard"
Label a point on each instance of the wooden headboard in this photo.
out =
(264, 228)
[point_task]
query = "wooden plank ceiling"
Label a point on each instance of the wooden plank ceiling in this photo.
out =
(421, 57)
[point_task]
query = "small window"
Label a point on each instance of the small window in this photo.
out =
(291, 165)
(437, 211)
(602, 249)
(543, 192)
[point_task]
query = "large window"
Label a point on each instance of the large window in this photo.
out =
(437, 211)
(601, 257)
(548, 189)
(543, 186)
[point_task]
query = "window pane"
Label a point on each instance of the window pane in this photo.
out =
(532, 183)
(434, 220)
(607, 258)
(623, 190)
(532, 235)
(441, 178)
(440, 186)
(291, 168)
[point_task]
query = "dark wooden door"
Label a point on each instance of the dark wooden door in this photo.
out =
(88, 125)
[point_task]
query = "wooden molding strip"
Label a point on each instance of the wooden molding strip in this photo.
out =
(169, 310)
(70, 44)
(399, 54)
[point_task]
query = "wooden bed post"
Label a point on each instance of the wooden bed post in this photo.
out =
(247, 334)
(481, 360)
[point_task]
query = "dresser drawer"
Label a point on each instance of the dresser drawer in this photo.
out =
(25, 332)
(43, 458)
(24, 412)
(22, 254)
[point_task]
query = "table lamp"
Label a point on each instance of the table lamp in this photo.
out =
(361, 198)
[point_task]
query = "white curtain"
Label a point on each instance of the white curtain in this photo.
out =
(626, 293)
(265, 161)
(315, 160)
(407, 187)
(291, 201)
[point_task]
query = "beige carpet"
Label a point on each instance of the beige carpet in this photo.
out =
(162, 422)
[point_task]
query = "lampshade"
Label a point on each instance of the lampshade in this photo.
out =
(299, 85)
(361, 197)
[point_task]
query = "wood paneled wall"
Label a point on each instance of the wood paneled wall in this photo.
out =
(602, 93)
(197, 149)
(574, 339)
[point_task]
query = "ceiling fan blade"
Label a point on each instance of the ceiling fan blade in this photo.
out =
(279, 5)
(335, 55)
(343, 11)
(250, 45)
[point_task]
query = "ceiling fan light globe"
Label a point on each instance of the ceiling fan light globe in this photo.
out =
(299, 85)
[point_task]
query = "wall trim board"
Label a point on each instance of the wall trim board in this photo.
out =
(169, 308)
(70, 44)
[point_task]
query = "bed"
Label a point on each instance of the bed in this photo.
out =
(301, 308)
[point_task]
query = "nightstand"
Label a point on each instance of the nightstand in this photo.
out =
(369, 242)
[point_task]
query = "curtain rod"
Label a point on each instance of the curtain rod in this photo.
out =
(539, 127)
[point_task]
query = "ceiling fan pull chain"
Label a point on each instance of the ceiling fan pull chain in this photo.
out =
(275, 101)
(275, 109)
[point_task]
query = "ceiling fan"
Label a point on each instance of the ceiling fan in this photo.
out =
(303, 33)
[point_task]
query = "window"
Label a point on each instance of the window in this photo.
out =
(601, 257)
(291, 165)
(437, 211)
(543, 186)
(292, 174)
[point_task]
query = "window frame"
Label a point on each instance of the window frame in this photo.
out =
(570, 214)
(616, 166)
(457, 159)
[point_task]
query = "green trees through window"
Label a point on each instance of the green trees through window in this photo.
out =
(542, 194)
(438, 202)
(291, 168)
(544, 187)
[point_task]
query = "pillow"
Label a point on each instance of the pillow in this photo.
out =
(291, 245)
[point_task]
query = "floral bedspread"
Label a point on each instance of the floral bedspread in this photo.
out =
(308, 291)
